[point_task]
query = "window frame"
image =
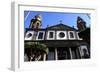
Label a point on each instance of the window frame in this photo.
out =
(30, 38)
(48, 34)
(38, 35)
(69, 37)
(78, 36)
(57, 35)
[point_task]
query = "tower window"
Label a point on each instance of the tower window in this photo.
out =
(37, 25)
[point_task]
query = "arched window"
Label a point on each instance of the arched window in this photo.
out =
(37, 24)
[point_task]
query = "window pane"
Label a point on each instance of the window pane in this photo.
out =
(71, 35)
(51, 35)
(40, 36)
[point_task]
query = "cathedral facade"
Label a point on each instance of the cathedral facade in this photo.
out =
(58, 42)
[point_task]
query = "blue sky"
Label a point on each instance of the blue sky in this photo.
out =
(54, 18)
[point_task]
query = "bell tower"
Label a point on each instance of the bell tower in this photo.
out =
(81, 24)
(36, 22)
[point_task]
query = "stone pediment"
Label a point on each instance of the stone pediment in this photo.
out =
(61, 27)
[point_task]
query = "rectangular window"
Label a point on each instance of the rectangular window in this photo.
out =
(78, 36)
(50, 35)
(71, 35)
(40, 35)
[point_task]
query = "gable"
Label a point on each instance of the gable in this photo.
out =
(61, 27)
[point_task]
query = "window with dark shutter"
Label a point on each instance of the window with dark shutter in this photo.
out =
(71, 35)
(40, 36)
(51, 35)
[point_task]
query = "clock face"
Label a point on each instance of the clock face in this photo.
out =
(61, 34)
